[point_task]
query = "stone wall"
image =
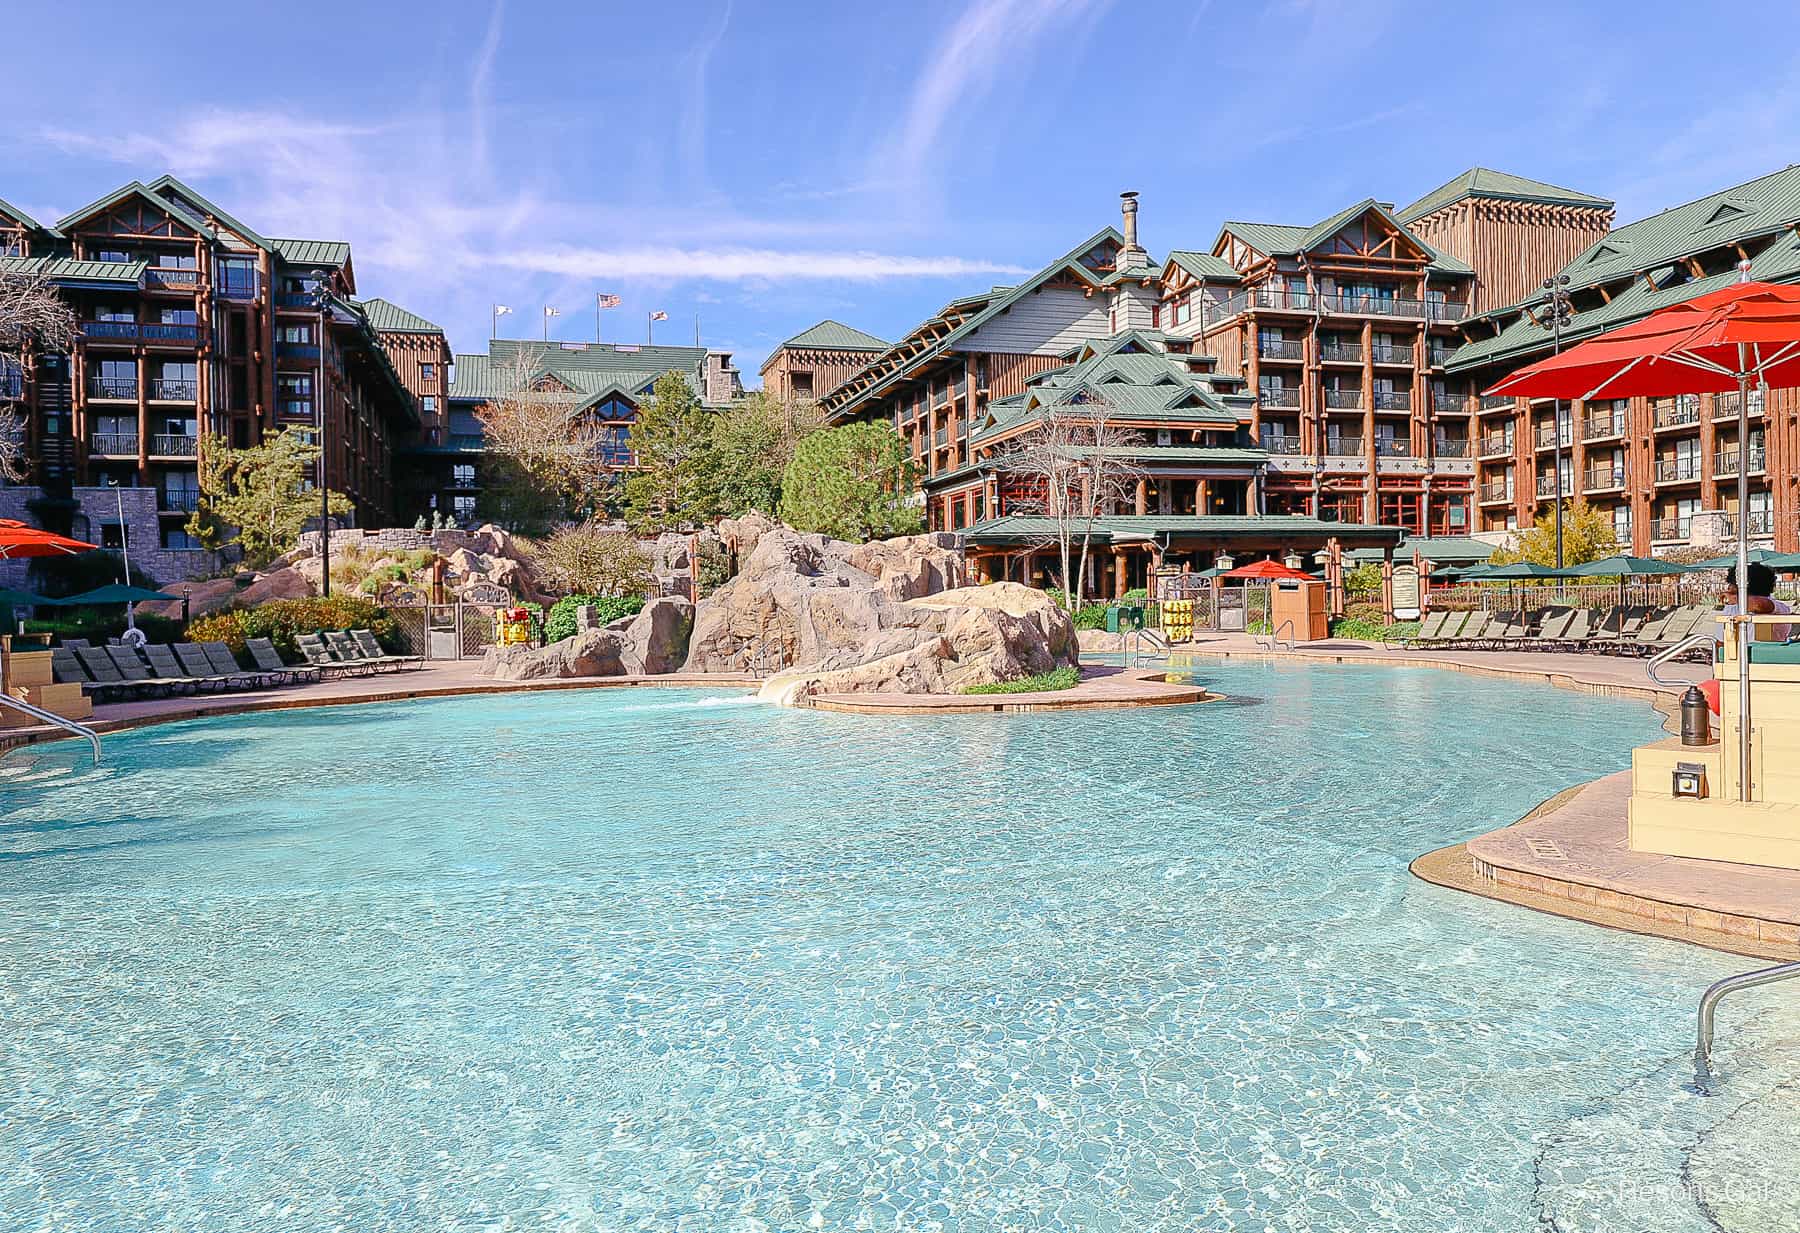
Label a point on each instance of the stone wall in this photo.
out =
(393, 541)
(98, 507)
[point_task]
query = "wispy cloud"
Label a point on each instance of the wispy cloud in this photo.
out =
(481, 88)
(734, 264)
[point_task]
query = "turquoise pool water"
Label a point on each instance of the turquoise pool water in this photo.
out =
(673, 960)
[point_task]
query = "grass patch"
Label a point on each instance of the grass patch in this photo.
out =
(1043, 682)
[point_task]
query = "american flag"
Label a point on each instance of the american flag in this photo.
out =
(606, 301)
(659, 315)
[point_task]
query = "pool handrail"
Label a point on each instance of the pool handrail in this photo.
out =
(1668, 653)
(1709, 1001)
(60, 721)
(1134, 642)
(1274, 637)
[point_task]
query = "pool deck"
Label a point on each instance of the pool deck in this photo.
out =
(1101, 688)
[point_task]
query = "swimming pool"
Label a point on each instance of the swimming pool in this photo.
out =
(674, 960)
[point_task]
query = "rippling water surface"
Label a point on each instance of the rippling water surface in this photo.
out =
(673, 960)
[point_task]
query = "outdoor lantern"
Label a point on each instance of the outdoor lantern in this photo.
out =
(1690, 779)
(1223, 561)
(1291, 560)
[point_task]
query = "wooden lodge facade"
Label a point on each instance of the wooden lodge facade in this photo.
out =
(190, 324)
(816, 361)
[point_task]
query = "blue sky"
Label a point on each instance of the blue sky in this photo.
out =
(766, 165)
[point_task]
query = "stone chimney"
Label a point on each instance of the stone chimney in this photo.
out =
(723, 382)
(1132, 256)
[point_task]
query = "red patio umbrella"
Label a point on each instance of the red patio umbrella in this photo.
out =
(1717, 341)
(18, 540)
(1266, 569)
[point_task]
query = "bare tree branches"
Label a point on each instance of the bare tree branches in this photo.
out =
(33, 319)
(553, 463)
(1076, 466)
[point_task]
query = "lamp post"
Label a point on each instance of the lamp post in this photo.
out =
(321, 292)
(1558, 311)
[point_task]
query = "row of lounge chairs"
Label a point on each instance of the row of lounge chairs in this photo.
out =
(1628, 629)
(112, 673)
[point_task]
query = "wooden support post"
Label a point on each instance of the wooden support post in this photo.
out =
(1121, 576)
(1143, 486)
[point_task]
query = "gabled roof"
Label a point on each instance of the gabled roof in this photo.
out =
(19, 216)
(1282, 240)
(70, 272)
(1126, 528)
(390, 318)
(1499, 186)
(312, 252)
(125, 193)
(596, 371)
(1202, 265)
(162, 186)
(836, 336)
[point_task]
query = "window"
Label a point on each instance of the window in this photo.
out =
(428, 404)
(463, 474)
(293, 393)
(237, 276)
(463, 508)
(178, 370)
(176, 539)
(180, 316)
(177, 261)
(801, 383)
(115, 425)
(428, 372)
(114, 255)
(115, 312)
(296, 333)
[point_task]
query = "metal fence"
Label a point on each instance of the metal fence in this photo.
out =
(1492, 597)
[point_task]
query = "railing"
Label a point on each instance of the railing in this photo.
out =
(1676, 412)
(1388, 353)
(54, 720)
(1546, 436)
(1677, 470)
(1341, 353)
(1599, 427)
(1449, 402)
(1725, 462)
(1438, 357)
(1392, 447)
(1726, 405)
(178, 500)
(1282, 445)
(1670, 654)
(1134, 643)
(1451, 447)
(1346, 400)
(1496, 492)
(1280, 349)
(239, 287)
(1273, 639)
(297, 350)
(1495, 445)
(172, 445)
(1546, 486)
(123, 330)
(172, 277)
(295, 299)
(165, 390)
(1494, 402)
(169, 332)
(1344, 447)
(1715, 992)
(144, 331)
(1598, 478)
(1393, 400)
(1280, 398)
(114, 444)
(1666, 530)
(1760, 522)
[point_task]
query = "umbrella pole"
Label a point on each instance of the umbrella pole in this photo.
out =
(1743, 572)
(125, 552)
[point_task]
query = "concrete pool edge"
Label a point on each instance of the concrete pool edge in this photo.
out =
(1480, 867)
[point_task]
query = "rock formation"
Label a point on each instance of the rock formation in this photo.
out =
(654, 641)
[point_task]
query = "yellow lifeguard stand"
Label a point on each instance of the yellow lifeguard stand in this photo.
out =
(1696, 800)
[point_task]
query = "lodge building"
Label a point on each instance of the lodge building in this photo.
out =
(817, 360)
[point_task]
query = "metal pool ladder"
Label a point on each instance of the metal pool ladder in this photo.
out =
(1709, 1001)
(1673, 652)
(52, 718)
(1134, 645)
(1274, 639)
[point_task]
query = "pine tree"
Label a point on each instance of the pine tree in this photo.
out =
(852, 483)
(258, 498)
(674, 487)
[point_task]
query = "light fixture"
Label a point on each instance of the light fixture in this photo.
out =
(1690, 779)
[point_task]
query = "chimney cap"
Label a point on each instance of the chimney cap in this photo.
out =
(1128, 195)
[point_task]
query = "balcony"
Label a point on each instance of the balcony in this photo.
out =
(1546, 487)
(113, 387)
(1725, 462)
(1677, 470)
(172, 390)
(238, 285)
(1725, 406)
(109, 331)
(1393, 400)
(1671, 530)
(1343, 447)
(172, 445)
(940, 437)
(1760, 522)
(296, 299)
(12, 385)
(1498, 402)
(1341, 353)
(1451, 447)
(1392, 447)
(1284, 444)
(1497, 445)
(1279, 398)
(1439, 356)
(168, 278)
(1344, 400)
(1280, 349)
(1388, 353)
(154, 332)
(1678, 412)
(114, 444)
(1603, 479)
(1601, 427)
(1545, 436)
(297, 351)
(178, 500)
(1494, 494)
(1454, 404)
(1278, 299)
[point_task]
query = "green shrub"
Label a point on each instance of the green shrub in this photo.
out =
(1061, 678)
(282, 620)
(1368, 614)
(560, 623)
(1374, 631)
(1090, 616)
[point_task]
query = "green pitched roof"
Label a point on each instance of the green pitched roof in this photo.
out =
(1025, 528)
(19, 216)
(1498, 185)
(1438, 549)
(69, 271)
(836, 336)
(312, 252)
(162, 186)
(1203, 265)
(390, 318)
(135, 189)
(596, 371)
(1281, 240)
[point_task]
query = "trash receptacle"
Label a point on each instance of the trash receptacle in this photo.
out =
(1131, 616)
(1112, 618)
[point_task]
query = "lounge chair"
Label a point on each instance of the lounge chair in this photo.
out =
(1474, 628)
(1682, 624)
(328, 662)
(100, 667)
(133, 669)
(226, 664)
(68, 671)
(1611, 627)
(268, 659)
(1430, 629)
(370, 646)
(195, 662)
(1649, 633)
(1550, 631)
(1576, 633)
(345, 648)
(164, 664)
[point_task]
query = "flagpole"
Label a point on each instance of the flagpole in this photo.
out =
(649, 329)
(696, 329)
(596, 316)
(494, 323)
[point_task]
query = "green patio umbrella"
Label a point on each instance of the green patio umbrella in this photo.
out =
(111, 594)
(1784, 562)
(1522, 569)
(14, 599)
(1766, 556)
(1627, 566)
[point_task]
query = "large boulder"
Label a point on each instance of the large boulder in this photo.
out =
(594, 653)
(912, 566)
(740, 535)
(295, 582)
(656, 639)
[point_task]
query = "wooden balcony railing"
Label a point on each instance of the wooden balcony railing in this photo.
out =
(172, 445)
(1340, 353)
(1677, 470)
(1344, 400)
(1384, 353)
(114, 444)
(1344, 447)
